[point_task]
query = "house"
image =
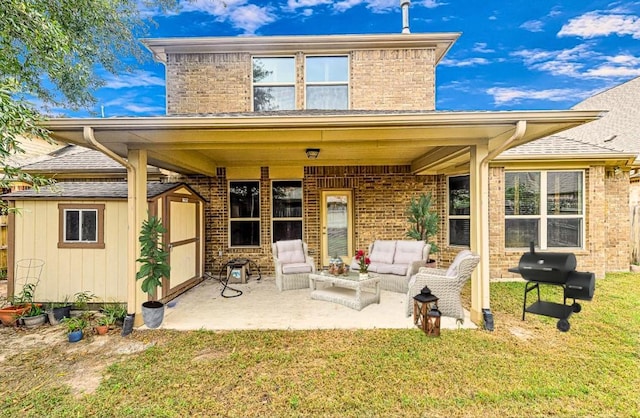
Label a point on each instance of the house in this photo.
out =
(327, 138)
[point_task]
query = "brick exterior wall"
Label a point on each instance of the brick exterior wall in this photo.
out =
(393, 79)
(402, 79)
(208, 83)
(381, 195)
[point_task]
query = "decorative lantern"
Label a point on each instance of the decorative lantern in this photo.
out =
(421, 304)
(432, 328)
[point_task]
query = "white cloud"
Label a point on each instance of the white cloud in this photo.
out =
(482, 48)
(305, 4)
(533, 26)
(135, 79)
(469, 62)
(610, 71)
(344, 5)
(596, 23)
(504, 95)
(567, 62)
(135, 108)
(250, 18)
(432, 4)
(624, 59)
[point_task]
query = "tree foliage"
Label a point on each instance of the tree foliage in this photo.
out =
(51, 54)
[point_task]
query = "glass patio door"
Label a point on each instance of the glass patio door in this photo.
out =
(336, 216)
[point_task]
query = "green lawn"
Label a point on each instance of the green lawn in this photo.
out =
(522, 369)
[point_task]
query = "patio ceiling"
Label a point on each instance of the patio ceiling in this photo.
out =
(430, 142)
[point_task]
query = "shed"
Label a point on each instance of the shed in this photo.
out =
(79, 231)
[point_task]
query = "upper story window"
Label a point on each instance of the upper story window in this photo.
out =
(459, 210)
(286, 209)
(274, 83)
(546, 207)
(244, 216)
(327, 82)
(81, 226)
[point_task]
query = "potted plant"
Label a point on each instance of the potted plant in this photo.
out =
(75, 327)
(103, 323)
(81, 302)
(154, 267)
(423, 221)
(34, 316)
(15, 306)
(115, 310)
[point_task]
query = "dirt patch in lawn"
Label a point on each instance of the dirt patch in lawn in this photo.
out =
(46, 351)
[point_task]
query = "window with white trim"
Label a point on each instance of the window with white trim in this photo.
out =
(81, 226)
(459, 210)
(274, 83)
(327, 82)
(244, 213)
(546, 207)
(286, 206)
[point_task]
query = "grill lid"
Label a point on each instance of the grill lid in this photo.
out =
(546, 267)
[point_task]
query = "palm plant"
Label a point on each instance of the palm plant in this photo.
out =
(424, 222)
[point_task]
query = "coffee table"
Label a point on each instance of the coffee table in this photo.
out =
(347, 290)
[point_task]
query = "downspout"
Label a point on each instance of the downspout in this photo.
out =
(88, 135)
(521, 128)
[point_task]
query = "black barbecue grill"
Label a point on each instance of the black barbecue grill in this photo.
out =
(556, 269)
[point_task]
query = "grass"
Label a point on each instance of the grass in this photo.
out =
(523, 368)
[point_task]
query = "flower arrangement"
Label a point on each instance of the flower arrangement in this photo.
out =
(363, 261)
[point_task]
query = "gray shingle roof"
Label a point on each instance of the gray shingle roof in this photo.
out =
(78, 159)
(558, 145)
(617, 131)
(88, 190)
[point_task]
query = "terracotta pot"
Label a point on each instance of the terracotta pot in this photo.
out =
(102, 329)
(9, 314)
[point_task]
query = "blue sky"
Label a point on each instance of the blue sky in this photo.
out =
(512, 55)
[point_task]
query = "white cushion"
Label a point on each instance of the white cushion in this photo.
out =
(290, 251)
(293, 268)
(453, 268)
(398, 269)
(383, 252)
(408, 251)
(373, 267)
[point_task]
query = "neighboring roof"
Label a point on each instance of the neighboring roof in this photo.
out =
(619, 128)
(116, 190)
(311, 44)
(75, 159)
(34, 150)
(562, 147)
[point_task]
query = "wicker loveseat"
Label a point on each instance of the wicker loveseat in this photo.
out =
(395, 261)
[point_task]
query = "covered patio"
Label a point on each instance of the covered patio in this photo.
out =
(262, 307)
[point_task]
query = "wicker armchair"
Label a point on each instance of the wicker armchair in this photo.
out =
(445, 284)
(292, 264)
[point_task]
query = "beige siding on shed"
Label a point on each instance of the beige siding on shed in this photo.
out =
(71, 270)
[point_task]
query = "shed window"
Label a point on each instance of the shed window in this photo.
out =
(81, 226)
(244, 219)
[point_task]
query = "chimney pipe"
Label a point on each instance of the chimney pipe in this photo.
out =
(404, 4)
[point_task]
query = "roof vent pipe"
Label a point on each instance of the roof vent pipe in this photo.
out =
(404, 4)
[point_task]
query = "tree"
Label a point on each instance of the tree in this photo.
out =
(50, 52)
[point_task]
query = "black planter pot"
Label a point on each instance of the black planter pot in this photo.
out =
(62, 312)
(152, 313)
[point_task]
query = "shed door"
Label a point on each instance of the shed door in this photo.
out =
(184, 241)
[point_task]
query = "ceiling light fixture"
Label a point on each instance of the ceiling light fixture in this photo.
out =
(312, 153)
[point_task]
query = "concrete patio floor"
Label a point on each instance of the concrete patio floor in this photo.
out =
(262, 307)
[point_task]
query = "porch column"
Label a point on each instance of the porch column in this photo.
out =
(479, 189)
(137, 213)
